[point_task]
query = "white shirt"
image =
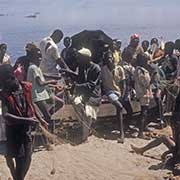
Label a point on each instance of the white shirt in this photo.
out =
(50, 54)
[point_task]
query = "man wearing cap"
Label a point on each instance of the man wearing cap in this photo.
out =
(50, 54)
(134, 48)
(87, 91)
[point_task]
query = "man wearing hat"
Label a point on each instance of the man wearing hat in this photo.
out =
(134, 48)
(87, 91)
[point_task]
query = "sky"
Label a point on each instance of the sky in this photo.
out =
(92, 12)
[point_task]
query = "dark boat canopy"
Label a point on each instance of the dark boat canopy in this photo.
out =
(88, 38)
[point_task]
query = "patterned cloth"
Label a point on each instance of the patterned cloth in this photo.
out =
(142, 85)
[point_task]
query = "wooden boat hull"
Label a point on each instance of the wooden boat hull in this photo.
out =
(67, 113)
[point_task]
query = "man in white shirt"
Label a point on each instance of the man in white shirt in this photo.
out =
(50, 53)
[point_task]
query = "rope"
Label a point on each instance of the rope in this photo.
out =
(80, 117)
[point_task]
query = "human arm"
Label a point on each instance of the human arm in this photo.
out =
(120, 79)
(52, 76)
(44, 83)
(18, 119)
(68, 72)
(155, 60)
(93, 79)
(14, 119)
(57, 57)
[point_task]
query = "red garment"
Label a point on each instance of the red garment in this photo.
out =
(14, 107)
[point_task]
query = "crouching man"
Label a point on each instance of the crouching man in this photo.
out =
(87, 91)
(20, 118)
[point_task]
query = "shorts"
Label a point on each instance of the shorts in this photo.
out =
(144, 101)
(3, 148)
(113, 96)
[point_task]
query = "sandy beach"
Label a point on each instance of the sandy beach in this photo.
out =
(99, 159)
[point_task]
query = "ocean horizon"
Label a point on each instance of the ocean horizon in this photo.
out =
(30, 21)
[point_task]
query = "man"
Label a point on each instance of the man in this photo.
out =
(20, 117)
(145, 46)
(50, 54)
(175, 123)
(87, 91)
(155, 52)
(177, 48)
(22, 63)
(177, 53)
(67, 44)
(4, 58)
(156, 80)
(169, 61)
(167, 140)
(116, 51)
(40, 92)
(113, 80)
(134, 48)
(143, 90)
(68, 54)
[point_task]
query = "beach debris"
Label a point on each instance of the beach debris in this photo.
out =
(53, 171)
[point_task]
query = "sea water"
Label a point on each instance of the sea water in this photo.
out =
(118, 18)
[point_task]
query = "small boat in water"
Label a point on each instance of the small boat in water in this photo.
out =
(35, 15)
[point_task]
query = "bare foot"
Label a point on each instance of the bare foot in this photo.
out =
(137, 150)
(49, 147)
(120, 140)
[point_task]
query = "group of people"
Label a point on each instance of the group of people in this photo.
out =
(35, 87)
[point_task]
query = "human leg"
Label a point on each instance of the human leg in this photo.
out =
(11, 166)
(126, 104)
(83, 119)
(156, 142)
(119, 118)
(22, 166)
(158, 101)
(144, 110)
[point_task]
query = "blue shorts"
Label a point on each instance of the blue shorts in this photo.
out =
(3, 150)
(113, 96)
